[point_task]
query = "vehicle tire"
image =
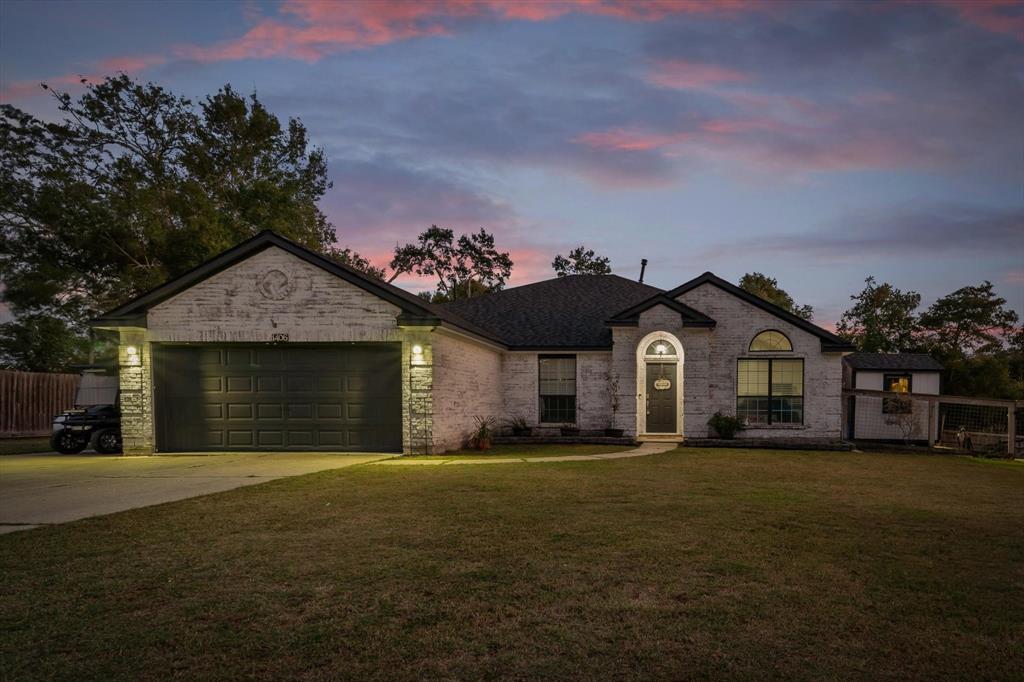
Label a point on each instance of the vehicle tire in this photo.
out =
(66, 443)
(108, 441)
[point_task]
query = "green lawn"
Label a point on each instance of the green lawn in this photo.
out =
(691, 564)
(24, 446)
(523, 450)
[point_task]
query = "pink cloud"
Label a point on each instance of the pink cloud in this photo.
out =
(686, 75)
(98, 72)
(309, 30)
(998, 16)
(1014, 277)
(629, 139)
(778, 144)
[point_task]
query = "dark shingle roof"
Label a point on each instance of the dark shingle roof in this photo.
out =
(566, 312)
(907, 362)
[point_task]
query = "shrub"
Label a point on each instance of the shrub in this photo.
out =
(725, 425)
(481, 438)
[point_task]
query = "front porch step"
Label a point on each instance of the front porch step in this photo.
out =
(659, 438)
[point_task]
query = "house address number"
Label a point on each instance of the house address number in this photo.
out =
(279, 338)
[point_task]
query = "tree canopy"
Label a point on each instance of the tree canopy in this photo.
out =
(768, 288)
(136, 185)
(463, 267)
(971, 319)
(881, 319)
(581, 261)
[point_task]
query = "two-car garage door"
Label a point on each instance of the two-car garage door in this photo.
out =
(279, 397)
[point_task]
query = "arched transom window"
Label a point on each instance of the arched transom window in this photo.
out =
(769, 341)
(660, 349)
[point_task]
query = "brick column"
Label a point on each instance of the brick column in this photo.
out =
(135, 355)
(417, 393)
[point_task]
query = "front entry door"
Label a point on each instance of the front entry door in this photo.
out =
(661, 397)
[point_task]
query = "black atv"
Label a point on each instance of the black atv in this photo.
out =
(75, 429)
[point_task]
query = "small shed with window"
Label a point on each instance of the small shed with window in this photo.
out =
(903, 375)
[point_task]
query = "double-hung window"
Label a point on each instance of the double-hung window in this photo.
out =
(557, 382)
(770, 391)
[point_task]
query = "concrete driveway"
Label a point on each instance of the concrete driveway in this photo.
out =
(45, 489)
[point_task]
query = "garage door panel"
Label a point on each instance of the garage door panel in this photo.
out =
(269, 384)
(316, 397)
(269, 411)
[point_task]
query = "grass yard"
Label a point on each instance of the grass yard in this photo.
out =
(502, 451)
(24, 446)
(691, 564)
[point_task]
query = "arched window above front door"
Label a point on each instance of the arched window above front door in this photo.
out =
(770, 341)
(660, 349)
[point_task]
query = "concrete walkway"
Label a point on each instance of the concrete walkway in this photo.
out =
(644, 450)
(45, 489)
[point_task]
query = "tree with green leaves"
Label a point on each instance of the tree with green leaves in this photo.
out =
(581, 261)
(768, 288)
(882, 318)
(136, 185)
(970, 320)
(352, 259)
(463, 267)
(975, 336)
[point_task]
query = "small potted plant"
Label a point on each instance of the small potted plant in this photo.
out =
(482, 437)
(613, 394)
(725, 425)
(519, 426)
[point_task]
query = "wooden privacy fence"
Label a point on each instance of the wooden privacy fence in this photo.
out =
(29, 400)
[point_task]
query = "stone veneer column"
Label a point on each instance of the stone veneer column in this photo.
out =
(417, 393)
(136, 383)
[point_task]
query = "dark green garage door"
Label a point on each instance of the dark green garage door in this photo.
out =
(242, 397)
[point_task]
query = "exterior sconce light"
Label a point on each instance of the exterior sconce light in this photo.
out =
(133, 355)
(660, 349)
(416, 355)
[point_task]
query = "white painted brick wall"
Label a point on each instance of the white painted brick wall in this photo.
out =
(694, 410)
(593, 399)
(519, 382)
(738, 323)
(467, 383)
(593, 394)
(228, 307)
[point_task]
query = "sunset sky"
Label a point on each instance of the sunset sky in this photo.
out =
(816, 142)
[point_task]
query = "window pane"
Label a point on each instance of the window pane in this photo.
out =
(664, 347)
(752, 410)
(787, 377)
(557, 376)
(771, 341)
(558, 408)
(899, 383)
(752, 378)
(787, 410)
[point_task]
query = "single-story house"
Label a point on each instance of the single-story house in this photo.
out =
(270, 346)
(873, 417)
